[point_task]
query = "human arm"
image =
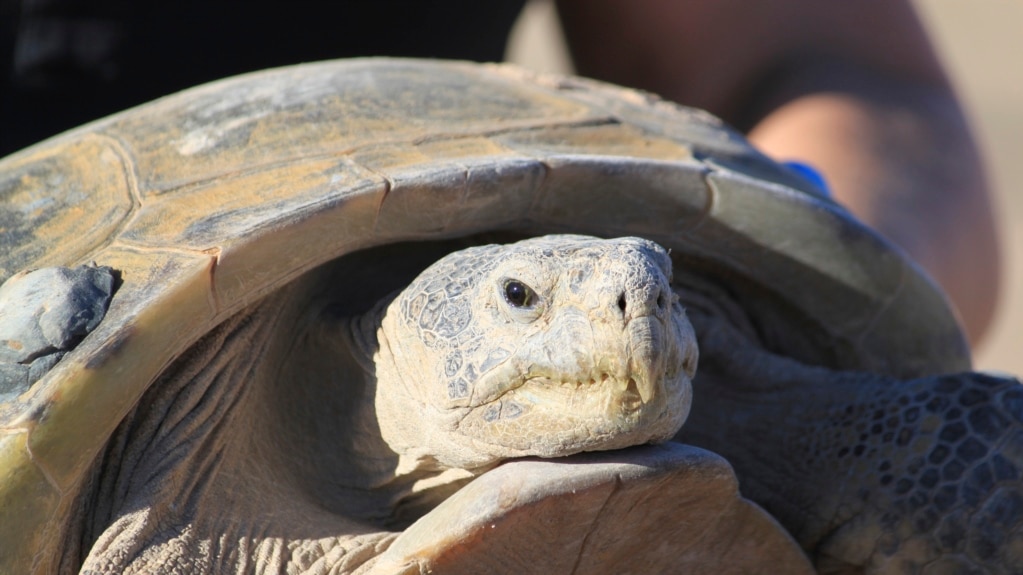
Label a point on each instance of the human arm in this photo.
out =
(854, 89)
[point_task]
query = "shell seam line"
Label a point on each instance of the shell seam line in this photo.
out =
(883, 309)
(524, 127)
(463, 193)
(39, 465)
(527, 126)
(142, 248)
(128, 169)
(539, 191)
(615, 488)
(211, 255)
(712, 198)
(389, 185)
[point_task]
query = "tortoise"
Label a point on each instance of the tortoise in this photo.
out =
(220, 304)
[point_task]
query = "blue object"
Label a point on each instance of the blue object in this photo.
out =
(810, 174)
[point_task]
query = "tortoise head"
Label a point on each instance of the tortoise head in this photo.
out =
(547, 347)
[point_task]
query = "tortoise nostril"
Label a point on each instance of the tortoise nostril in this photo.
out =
(621, 302)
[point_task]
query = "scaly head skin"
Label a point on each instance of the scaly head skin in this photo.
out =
(547, 347)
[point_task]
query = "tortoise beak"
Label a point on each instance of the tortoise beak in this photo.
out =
(645, 352)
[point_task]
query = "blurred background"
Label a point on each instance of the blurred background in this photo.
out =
(982, 48)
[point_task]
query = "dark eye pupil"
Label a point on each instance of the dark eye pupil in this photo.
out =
(517, 294)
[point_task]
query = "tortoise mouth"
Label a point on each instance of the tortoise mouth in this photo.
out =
(622, 395)
(628, 393)
(634, 369)
(637, 393)
(555, 417)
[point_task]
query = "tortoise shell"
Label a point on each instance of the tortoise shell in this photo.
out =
(207, 200)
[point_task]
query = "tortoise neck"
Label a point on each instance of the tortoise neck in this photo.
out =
(810, 427)
(412, 483)
(811, 435)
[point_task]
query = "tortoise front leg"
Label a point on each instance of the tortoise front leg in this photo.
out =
(653, 509)
(869, 473)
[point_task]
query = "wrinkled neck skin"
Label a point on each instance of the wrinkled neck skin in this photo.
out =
(789, 429)
(237, 461)
(416, 482)
(870, 474)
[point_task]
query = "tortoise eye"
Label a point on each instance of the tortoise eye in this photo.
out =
(519, 294)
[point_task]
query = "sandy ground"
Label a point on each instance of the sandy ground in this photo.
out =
(980, 43)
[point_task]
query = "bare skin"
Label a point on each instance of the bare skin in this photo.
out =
(854, 89)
